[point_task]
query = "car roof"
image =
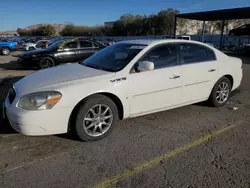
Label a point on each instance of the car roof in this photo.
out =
(158, 41)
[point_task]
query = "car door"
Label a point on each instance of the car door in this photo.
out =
(198, 70)
(68, 53)
(160, 88)
(85, 50)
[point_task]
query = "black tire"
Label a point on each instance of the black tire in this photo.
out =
(46, 62)
(5, 51)
(83, 113)
(213, 96)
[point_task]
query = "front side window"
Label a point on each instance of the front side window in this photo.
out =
(195, 53)
(162, 56)
(114, 58)
(71, 45)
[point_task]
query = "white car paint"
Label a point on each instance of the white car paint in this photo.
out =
(140, 93)
(28, 45)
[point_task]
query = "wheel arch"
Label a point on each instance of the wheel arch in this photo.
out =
(230, 78)
(113, 97)
(50, 56)
(5, 47)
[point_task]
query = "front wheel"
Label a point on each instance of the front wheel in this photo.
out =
(95, 118)
(221, 92)
(46, 62)
(5, 51)
(31, 48)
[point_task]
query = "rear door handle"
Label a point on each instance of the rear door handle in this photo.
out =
(174, 77)
(211, 70)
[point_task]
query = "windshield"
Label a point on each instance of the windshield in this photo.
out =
(54, 45)
(115, 57)
(53, 40)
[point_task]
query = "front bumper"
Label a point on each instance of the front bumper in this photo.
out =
(27, 62)
(37, 123)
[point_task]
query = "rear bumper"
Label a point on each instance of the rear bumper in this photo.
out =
(237, 79)
(14, 49)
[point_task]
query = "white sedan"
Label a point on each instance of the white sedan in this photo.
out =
(34, 46)
(125, 80)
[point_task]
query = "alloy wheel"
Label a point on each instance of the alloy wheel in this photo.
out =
(222, 92)
(98, 120)
(5, 51)
(46, 63)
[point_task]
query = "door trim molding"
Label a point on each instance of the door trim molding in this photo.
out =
(197, 83)
(157, 91)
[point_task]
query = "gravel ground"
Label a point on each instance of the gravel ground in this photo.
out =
(152, 141)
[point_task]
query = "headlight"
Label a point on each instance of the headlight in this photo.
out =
(40, 100)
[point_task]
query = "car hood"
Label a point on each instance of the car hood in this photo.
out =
(7, 43)
(30, 53)
(64, 73)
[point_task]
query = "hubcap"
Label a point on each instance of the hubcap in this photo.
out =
(46, 63)
(98, 120)
(222, 92)
(5, 51)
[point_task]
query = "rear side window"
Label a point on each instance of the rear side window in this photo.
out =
(85, 44)
(195, 53)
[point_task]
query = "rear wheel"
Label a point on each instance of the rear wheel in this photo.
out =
(46, 62)
(95, 118)
(221, 92)
(5, 50)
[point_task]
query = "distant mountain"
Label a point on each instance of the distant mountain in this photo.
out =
(58, 28)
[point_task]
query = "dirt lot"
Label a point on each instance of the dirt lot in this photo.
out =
(192, 146)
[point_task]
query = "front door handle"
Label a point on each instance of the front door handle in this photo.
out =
(174, 77)
(211, 70)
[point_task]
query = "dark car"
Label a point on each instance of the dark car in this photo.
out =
(240, 31)
(59, 52)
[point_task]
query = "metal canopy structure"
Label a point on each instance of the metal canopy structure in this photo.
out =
(215, 15)
(225, 14)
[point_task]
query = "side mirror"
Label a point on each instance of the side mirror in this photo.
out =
(145, 66)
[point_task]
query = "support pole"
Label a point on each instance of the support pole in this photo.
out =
(203, 30)
(175, 25)
(221, 34)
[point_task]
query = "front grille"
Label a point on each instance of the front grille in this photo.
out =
(12, 95)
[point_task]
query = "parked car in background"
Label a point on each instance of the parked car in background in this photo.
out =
(7, 47)
(38, 45)
(184, 37)
(74, 50)
(247, 49)
(124, 80)
(240, 31)
(210, 44)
